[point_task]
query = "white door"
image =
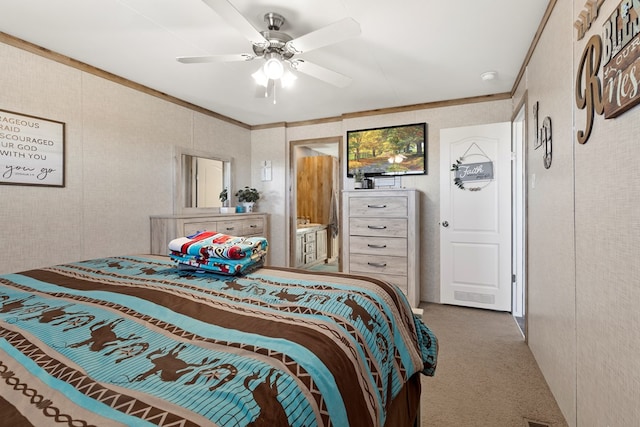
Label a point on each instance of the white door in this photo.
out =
(208, 184)
(475, 216)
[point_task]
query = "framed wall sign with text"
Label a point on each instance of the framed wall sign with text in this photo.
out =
(31, 150)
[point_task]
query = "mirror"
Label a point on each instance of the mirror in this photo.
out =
(200, 177)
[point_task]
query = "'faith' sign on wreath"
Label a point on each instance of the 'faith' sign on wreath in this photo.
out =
(472, 172)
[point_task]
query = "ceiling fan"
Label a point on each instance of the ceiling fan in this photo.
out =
(279, 49)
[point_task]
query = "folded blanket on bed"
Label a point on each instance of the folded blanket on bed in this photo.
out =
(211, 244)
(217, 265)
(218, 252)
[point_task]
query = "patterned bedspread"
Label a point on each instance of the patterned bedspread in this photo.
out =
(136, 341)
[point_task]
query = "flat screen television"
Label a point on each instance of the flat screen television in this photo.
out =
(388, 151)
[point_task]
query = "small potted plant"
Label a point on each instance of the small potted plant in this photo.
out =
(358, 178)
(224, 198)
(248, 197)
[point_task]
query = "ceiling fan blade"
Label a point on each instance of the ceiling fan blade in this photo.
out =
(332, 33)
(215, 58)
(235, 18)
(321, 73)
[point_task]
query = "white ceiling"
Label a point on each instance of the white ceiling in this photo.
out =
(409, 51)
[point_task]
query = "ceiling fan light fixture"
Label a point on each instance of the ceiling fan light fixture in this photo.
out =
(260, 77)
(288, 79)
(277, 49)
(273, 68)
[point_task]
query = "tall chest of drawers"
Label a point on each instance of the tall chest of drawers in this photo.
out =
(381, 237)
(165, 228)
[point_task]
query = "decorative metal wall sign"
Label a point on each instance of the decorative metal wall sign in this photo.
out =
(543, 137)
(621, 59)
(472, 172)
(618, 52)
(591, 97)
(537, 143)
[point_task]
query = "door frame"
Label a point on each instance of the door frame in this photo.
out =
(519, 207)
(293, 174)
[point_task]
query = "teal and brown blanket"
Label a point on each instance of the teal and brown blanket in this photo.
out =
(219, 252)
(136, 341)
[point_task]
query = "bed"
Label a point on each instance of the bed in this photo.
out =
(139, 340)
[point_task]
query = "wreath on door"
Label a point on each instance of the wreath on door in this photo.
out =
(455, 168)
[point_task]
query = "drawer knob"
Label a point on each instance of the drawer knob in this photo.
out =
(377, 264)
(377, 227)
(230, 228)
(376, 246)
(377, 206)
(253, 226)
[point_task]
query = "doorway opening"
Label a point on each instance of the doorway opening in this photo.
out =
(315, 204)
(519, 223)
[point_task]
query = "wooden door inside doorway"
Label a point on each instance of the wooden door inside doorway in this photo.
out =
(315, 185)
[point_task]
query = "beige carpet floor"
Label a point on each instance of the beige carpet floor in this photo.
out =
(486, 374)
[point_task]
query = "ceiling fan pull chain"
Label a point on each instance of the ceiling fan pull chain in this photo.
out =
(274, 93)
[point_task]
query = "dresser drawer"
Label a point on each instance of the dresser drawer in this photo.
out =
(382, 227)
(232, 228)
(193, 227)
(378, 264)
(252, 226)
(378, 206)
(378, 245)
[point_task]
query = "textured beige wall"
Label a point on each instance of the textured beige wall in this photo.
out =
(41, 226)
(551, 273)
(607, 201)
(127, 139)
(268, 144)
(584, 228)
(119, 163)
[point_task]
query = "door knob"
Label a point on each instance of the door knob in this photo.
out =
(445, 224)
